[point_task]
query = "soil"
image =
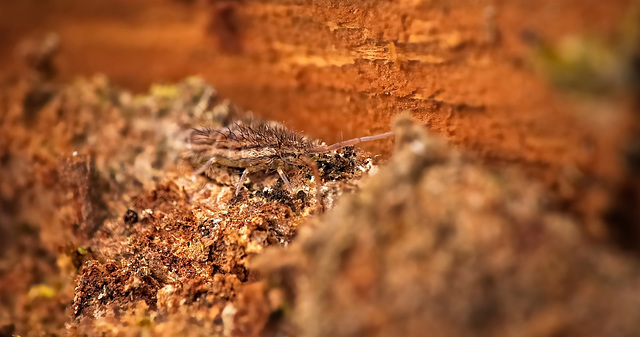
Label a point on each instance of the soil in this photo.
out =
(503, 206)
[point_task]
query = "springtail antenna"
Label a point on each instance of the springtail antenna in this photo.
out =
(349, 142)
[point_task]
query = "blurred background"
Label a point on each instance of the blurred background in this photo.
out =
(335, 67)
(518, 84)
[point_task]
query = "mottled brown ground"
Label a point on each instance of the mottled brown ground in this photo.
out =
(136, 238)
(507, 230)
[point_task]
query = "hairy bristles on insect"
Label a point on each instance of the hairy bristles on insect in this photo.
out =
(248, 141)
(255, 145)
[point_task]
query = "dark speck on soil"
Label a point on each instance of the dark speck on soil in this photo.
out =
(131, 217)
(334, 167)
(302, 196)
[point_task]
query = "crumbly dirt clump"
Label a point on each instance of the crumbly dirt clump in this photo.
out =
(434, 244)
(114, 231)
(105, 231)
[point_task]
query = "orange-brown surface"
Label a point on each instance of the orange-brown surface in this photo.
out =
(513, 228)
(343, 68)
